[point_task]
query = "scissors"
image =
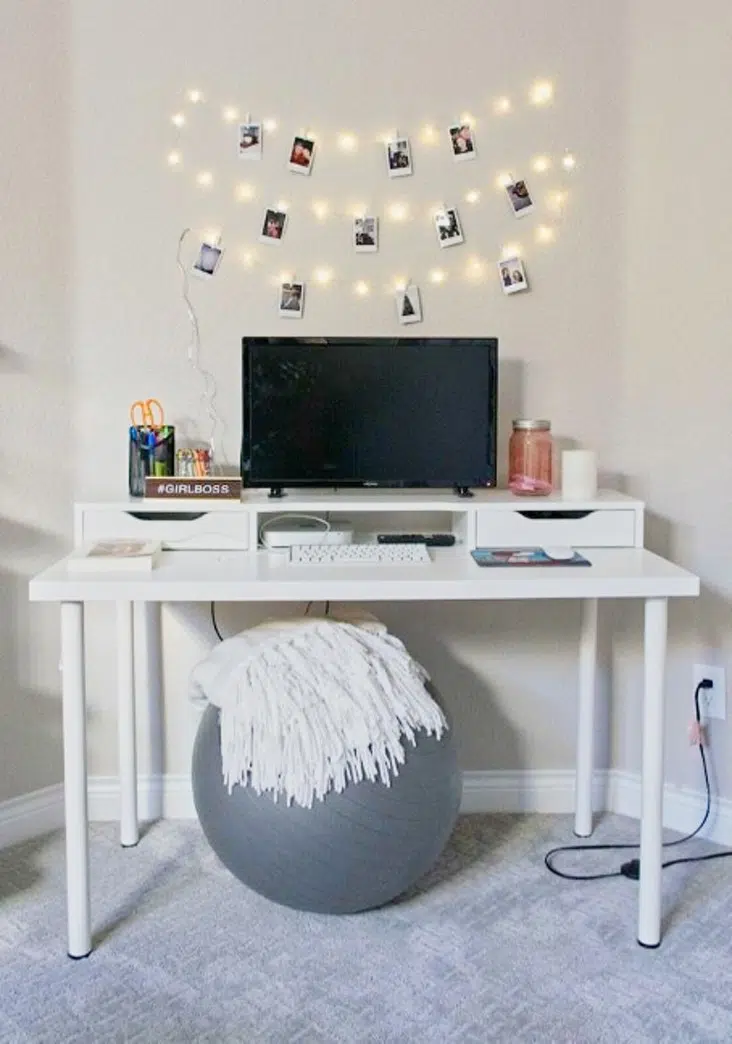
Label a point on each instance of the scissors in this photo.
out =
(147, 413)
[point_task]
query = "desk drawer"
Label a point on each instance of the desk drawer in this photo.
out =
(187, 530)
(535, 526)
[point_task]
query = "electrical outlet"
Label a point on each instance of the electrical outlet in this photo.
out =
(712, 702)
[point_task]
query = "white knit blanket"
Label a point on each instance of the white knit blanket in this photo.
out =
(312, 704)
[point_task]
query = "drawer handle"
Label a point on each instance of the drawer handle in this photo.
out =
(167, 516)
(551, 515)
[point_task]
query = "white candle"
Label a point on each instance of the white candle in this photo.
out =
(579, 474)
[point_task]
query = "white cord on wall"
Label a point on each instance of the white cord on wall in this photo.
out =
(208, 395)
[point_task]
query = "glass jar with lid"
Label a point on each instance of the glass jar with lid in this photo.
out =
(530, 458)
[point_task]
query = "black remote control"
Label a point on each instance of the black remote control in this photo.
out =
(436, 540)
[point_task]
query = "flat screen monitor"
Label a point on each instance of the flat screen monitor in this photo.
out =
(379, 411)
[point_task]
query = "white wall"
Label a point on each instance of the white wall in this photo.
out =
(332, 67)
(613, 298)
(36, 449)
(673, 418)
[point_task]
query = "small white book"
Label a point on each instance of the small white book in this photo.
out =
(115, 555)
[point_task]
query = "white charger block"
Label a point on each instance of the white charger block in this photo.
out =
(579, 474)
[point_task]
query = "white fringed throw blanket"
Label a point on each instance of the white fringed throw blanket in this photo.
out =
(312, 704)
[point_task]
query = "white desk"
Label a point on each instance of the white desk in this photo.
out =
(254, 576)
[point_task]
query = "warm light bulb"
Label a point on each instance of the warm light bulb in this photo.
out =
(247, 258)
(556, 201)
(400, 284)
(437, 275)
(358, 210)
(173, 159)
(568, 161)
(541, 93)
(503, 180)
(544, 234)
(467, 117)
(320, 209)
(361, 288)
(270, 125)
(501, 106)
(323, 276)
(428, 134)
(205, 178)
(179, 119)
(398, 212)
(212, 236)
(541, 164)
(474, 268)
(347, 142)
(511, 250)
(244, 192)
(285, 277)
(472, 197)
(230, 114)
(281, 204)
(195, 96)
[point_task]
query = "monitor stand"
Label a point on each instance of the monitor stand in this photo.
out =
(276, 493)
(462, 491)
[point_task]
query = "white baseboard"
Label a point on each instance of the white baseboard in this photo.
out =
(683, 808)
(31, 815)
(169, 797)
(548, 792)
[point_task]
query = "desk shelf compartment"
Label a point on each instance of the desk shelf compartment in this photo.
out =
(184, 530)
(537, 527)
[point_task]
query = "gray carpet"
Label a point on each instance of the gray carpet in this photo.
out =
(489, 947)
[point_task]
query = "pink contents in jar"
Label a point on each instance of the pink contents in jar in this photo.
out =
(530, 458)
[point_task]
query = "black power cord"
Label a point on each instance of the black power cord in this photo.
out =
(631, 869)
(213, 621)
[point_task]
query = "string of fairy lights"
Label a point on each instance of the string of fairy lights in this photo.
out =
(475, 269)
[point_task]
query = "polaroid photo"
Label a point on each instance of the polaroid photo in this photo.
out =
(462, 142)
(208, 260)
(399, 157)
(291, 300)
(519, 198)
(365, 235)
(273, 226)
(301, 155)
(409, 306)
(513, 275)
(250, 140)
(449, 230)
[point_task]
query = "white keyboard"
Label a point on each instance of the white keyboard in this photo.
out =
(359, 554)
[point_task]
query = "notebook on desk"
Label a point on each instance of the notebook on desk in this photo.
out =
(528, 556)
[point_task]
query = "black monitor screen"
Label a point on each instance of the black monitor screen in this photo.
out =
(369, 411)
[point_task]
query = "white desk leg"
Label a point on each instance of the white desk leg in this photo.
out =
(649, 894)
(75, 781)
(148, 699)
(128, 829)
(586, 719)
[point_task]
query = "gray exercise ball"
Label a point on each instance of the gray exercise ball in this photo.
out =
(350, 852)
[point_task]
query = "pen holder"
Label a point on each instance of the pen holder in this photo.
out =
(151, 452)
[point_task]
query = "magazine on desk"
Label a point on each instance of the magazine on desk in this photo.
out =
(526, 557)
(115, 555)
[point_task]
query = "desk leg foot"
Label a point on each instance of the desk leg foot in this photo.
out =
(128, 827)
(78, 956)
(649, 946)
(586, 719)
(75, 780)
(651, 828)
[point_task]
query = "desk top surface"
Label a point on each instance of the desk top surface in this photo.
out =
(452, 575)
(369, 500)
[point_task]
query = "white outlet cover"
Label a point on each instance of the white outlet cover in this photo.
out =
(712, 702)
